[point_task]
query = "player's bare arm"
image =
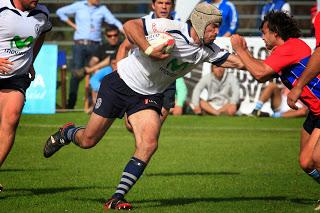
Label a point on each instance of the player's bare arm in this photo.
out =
(36, 49)
(261, 71)
(5, 65)
(134, 32)
(233, 61)
(311, 71)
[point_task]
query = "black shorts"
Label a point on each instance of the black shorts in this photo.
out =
(115, 98)
(311, 123)
(169, 96)
(20, 83)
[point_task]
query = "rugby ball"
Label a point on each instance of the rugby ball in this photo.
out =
(156, 39)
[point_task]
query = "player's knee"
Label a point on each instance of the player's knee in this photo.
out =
(305, 163)
(10, 122)
(149, 146)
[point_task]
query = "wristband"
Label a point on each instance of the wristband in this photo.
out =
(148, 51)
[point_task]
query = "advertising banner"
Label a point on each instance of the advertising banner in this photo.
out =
(41, 95)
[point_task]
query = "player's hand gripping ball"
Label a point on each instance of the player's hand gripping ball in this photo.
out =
(157, 39)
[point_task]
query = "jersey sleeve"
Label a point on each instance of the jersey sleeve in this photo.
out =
(47, 24)
(215, 55)
(151, 26)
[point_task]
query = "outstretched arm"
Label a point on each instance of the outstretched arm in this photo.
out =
(260, 71)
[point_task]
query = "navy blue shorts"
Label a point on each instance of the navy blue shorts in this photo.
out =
(311, 123)
(169, 96)
(20, 83)
(115, 98)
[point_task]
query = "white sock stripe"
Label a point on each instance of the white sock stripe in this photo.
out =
(122, 186)
(119, 191)
(126, 180)
(130, 176)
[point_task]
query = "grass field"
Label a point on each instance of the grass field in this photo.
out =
(203, 164)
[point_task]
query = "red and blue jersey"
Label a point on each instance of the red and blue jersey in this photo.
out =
(289, 61)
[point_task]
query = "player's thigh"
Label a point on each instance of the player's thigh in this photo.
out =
(11, 104)
(146, 125)
(97, 127)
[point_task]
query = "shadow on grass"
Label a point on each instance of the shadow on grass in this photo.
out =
(27, 170)
(186, 201)
(193, 174)
(20, 192)
(150, 203)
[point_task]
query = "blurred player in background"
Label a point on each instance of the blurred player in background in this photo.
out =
(288, 59)
(23, 24)
(136, 88)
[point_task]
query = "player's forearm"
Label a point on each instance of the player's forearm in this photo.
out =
(123, 49)
(37, 46)
(312, 70)
(254, 66)
(134, 32)
(101, 64)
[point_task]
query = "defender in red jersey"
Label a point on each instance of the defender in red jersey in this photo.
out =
(288, 59)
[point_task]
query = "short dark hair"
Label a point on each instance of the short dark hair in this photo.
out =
(283, 24)
(154, 1)
(111, 27)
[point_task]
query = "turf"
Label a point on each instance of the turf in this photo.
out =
(203, 164)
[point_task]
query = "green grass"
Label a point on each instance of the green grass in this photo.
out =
(203, 164)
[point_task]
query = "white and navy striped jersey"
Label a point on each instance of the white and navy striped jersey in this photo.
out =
(18, 33)
(148, 76)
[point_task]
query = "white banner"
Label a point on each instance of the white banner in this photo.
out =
(184, 8)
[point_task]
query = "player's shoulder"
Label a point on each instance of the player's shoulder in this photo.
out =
(297, 43)
(42, 8)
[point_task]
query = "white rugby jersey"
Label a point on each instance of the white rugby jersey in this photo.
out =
(148, 76)
(18, 33)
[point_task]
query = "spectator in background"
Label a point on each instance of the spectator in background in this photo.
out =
(101, 59)
(89, 16)
(276, 5)
(313, 13)
(278, 95)
(223, 93)
(230, 21)
(181, 96)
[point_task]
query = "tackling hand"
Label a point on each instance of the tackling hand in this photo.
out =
(293, 96)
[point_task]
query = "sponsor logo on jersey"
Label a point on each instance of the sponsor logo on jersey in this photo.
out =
(20, 43)
(175, 67)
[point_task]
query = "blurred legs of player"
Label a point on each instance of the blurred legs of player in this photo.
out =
(310, 149)
(11, 104)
